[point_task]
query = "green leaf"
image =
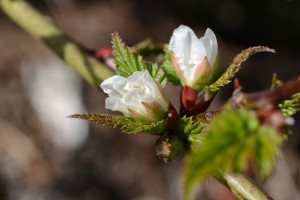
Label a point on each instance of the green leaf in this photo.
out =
(169, 69)
(126, 124)
(128, 62)
(290, 106)
(266, 150)
(232, 70)
(190, 128)
(148, 48)
(229, 141)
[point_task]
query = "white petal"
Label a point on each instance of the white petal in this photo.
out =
(153, 90)
(129, 93)
(133, 101)
(188, 49)
(116, 104)
(210, 42)
(113, 85)
(181, 43)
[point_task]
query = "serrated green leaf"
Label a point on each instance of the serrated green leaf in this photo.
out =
(267, 148)
(126, 124)
(128, 62)
(230, 140)
(169, 69)
(232, 70)
(190, 128)
(290, 106)
(147, 48)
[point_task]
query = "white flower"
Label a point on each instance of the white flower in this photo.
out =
(193, 58)
(137, 96)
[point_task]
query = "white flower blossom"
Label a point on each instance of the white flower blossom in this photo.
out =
(194, 58)
(137, 96)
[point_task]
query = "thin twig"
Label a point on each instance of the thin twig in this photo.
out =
(41, 27)
(274, 96)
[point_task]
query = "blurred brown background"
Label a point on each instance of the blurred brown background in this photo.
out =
(44, 155)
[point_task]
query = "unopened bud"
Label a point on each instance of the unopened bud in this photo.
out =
(188, 97)
(169, 147)
(106, 55)
(195, 59)
(193, 103)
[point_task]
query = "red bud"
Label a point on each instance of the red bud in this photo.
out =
(104, 53)
(188, 98)
(193, 103)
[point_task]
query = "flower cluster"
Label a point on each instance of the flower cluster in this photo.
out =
(140, 97)
(247, 129)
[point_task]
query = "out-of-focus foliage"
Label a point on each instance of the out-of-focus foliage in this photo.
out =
(228, 143)
(290, 106)
(148, 48)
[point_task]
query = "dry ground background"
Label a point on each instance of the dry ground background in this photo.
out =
(37, 159)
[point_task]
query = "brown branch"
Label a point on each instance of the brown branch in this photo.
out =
(274, 96)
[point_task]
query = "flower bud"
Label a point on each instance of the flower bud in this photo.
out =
(193, 103)
(106, 55)
(188, 97)
(195, 60)
(137, 96)
(169, 147)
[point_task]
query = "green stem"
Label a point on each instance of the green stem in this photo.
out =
(42, 28)
(243, 188)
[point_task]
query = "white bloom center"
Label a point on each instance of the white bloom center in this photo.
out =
(130, 93)
(190, 51)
